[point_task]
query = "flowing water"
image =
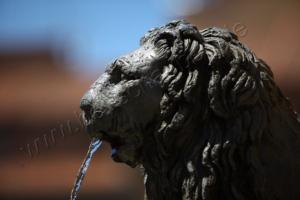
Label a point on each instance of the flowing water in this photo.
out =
(95, 144)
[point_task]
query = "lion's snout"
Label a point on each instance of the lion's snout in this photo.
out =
(97, 112)
(86, 105)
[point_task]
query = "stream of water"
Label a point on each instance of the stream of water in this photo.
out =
(94, 146)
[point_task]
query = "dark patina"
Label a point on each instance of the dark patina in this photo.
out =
(201, 114)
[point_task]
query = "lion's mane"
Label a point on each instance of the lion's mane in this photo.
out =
(220, 111)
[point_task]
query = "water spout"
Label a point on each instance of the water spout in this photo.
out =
(94, 146)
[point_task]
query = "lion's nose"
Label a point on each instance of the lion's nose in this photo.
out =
(86, 106)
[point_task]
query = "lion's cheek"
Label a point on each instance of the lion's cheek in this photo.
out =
(143, 102)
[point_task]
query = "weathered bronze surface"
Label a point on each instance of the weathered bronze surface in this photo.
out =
(201, 114)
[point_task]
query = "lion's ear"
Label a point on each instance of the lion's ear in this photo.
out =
(163, 44)
(184, 42)
(230, 92)
(188, 45)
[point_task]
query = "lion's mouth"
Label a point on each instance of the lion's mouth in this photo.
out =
(123, 145)
(122, 150)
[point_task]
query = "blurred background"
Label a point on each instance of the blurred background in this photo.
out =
(51, 51)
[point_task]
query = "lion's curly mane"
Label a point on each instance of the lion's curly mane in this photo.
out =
(224, 122)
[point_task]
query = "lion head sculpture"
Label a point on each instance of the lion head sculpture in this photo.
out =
(201, 114)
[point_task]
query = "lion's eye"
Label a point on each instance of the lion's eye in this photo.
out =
(115, 76)
(125, 76)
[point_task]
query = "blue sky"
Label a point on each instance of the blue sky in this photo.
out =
(91, 32)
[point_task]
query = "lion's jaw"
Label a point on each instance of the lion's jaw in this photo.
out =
(121, 105)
